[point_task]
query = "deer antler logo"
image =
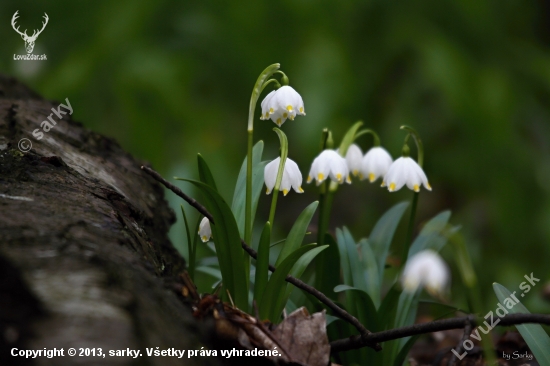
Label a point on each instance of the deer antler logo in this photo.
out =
(29, 41)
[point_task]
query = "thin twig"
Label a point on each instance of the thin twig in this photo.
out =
(338, 311)
(178, 192)
(356, 342)
(460, 347)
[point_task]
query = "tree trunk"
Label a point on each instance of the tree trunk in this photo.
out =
(85, 261)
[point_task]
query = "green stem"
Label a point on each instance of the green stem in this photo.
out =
(366, 131)
(248, 207)
(284, 153)
(256, 91)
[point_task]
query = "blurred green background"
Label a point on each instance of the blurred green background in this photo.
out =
(168, 79)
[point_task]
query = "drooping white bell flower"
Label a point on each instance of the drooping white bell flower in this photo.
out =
(375, 163)
(329, 164)
(427, 269)
(292, 177)
(205, 231)
(281, 104)
(405, 171)
(354, 156)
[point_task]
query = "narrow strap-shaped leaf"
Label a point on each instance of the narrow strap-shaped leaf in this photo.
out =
(272, 304)
(382, 234)
(366, 311)
(430, 234)
(190, 249)
(228, 244)
(357, 274)
(262, 263)
(297, 233)
(533, 334)
(239, 196)
(370, 268)
(205, 174)
(300, 267)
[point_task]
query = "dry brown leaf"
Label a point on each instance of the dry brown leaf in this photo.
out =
(304, 337)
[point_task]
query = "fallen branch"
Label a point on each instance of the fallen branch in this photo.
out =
(338, 311)
(355, 342)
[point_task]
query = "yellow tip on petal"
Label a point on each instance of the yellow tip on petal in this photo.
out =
(416, 188)
(383, 183)
(289, 108)
(348, 179)
(300, 189)
(301, 109)
(372, 178)
(320, 177)
(279, 122)
(309, 179)
(267, 191)
(392, 187)
(428, 186)
(271, 111)
(361, 176)
(285, 191)
(339, 177)
(291, 117)
(355, 172)
(204, 238)
(285, 115)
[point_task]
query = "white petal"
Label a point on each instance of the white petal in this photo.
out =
(270, 174)
(354, 156)
(205, 231)
(264, 105)
(291, 168)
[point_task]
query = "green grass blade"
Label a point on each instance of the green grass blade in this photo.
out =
(272, 303)
(533, 334)
(228, 244)
(205, 174)
(348, 138)
(297, 233)
(382, 234)
(239, 196)
(262, 263)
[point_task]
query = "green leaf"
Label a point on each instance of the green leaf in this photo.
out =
(370, 268)
(388, 309)
(205, 174)
(228, 244)
(366, 311)
(214, 272)
(533, 334)
(382, 234)
(357, 272)
(400, 358)
(190, 246)
(262, 263)
(272, 303)
(239, 196)
(430, 236)
(297, 233)
(300, 267)
(348, 138)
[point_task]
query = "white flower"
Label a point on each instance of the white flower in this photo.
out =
(405, 171)
(329, 164)
(292, 178)
(353, 158)
(205, 232)
(376, 163)
(281, 104)
(426, 269)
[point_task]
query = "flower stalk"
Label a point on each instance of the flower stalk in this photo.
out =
(256, 91)
(284, 153)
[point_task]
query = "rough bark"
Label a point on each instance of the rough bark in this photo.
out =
(85, 261)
